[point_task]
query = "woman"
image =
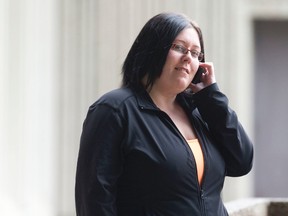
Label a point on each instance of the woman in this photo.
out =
(161, 145)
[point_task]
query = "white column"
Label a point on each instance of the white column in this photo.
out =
(28, 125)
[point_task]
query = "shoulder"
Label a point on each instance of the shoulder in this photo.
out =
(109, 107)
(115, 98)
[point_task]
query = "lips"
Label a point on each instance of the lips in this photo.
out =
(182, 68)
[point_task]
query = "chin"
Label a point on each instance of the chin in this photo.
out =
(182, 89)
(182, 86)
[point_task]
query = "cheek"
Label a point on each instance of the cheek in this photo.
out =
(194, 68)
(171, 62)
(173, 57)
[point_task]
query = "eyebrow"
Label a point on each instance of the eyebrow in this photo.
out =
(184, 42)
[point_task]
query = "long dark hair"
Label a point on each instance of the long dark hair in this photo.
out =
(148, 53)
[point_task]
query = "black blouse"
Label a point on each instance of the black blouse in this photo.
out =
(133, 161)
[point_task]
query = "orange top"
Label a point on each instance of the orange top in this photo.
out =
(198, 155)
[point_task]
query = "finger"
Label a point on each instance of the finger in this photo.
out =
(208, 66)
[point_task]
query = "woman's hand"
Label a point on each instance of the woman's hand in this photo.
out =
(207, 78)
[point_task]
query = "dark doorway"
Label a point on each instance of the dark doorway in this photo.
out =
(271, 108)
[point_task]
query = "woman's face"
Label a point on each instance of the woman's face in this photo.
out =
(179, 69)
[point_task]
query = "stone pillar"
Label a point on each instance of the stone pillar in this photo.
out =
(29, 126)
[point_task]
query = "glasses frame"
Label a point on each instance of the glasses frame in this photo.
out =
(183, 50)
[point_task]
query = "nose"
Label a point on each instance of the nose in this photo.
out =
(187, 57)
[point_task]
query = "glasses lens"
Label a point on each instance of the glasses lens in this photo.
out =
(179, 48)
(184, 50)
(201, 56)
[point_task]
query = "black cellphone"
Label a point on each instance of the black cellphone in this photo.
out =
(197, 77)
(199, 72)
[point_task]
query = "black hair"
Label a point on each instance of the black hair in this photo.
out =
(148, 53)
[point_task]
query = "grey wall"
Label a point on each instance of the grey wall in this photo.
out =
(271, 108)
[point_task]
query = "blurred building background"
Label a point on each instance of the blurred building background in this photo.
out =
(58, 56)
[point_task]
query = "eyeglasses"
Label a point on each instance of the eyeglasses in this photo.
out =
(183, 50)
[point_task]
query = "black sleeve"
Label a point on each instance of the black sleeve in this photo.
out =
(224, 126)
(99, 162)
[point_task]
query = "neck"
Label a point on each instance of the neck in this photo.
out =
(164, 101)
